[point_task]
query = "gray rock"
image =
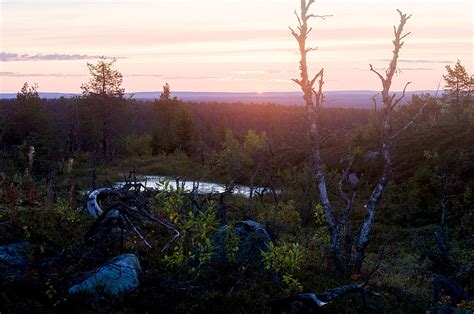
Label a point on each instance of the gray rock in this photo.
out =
(353, 179)
(253, 239)
(116, 278)
(372, 156)
(15, 254)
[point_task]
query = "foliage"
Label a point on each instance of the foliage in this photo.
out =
(105, 80)
(285, 259)
(231, 243)
(241, 159)
(424, 195)
(281, 216)
(138, 145)
(166, 94)
(194, 247)
(321, 236)
(172, 124)
(458, 88)
(102, 106)
(266, 145)
(184, 131)
(29, 118)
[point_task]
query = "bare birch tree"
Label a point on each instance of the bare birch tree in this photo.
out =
(348, 252)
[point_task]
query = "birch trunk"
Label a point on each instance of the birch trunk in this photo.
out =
(389, 105)
(312, 109)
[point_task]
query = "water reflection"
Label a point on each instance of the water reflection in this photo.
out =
(200, 187)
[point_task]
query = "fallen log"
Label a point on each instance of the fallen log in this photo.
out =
(92, 205)
(131, 206)
(312, 302)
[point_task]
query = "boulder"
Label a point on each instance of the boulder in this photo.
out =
(372, 156)
(15, 254)
(116, 278)
(253, 239)
(353, 179)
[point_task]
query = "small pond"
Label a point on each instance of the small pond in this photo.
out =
(155, 182)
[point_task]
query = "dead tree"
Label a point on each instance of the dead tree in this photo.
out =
(313, 108)
(348, 252)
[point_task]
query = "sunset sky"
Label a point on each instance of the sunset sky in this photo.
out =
(226, 45)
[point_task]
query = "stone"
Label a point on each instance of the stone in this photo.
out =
(15, 254)
(353, 179)
(253, 239)
(116, 278)
(372, 156)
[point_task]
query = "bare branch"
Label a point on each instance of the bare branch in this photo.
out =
(343, 179)
(311, 49)
(318, 16)
(412, 121)
(298, 18)
(378, 74)
(403, 16)
(340, 291)
(402, 96)
(294, 33)
(381, 256)
(320, 73)
(312, 108)
(125, 218)
(386, 176)
(392, 98)
(319, 94)
(310, 2)
(298, 82)
(405, 36)
(375, 101)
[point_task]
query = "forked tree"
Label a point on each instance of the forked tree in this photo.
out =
(347, 249)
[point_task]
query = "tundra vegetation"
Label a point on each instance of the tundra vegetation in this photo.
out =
(347, 210)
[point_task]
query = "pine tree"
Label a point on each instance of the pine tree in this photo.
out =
(458, 87)
(29, 117)
(167, 114)
(184, 131)
(104, 98)
(166, 94)
(105, 80)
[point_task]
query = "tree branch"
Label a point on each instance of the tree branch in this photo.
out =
(294, 33)
(320, 73)
(401, 97)
(342, 180)
(298, 82)
(374, 100)
(378, 74)
(412, 121)
(318, 16)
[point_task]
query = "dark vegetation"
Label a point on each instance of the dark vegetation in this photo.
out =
(196, 253)
(263, 145)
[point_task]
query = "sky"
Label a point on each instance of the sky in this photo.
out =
(227, 45)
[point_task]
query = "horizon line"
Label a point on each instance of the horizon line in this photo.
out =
(235, 92)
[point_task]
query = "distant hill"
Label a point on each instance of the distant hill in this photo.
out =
(338, 99)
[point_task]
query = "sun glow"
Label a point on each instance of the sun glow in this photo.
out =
(197, 49)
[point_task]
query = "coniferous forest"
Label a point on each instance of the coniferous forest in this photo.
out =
(109, 203)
